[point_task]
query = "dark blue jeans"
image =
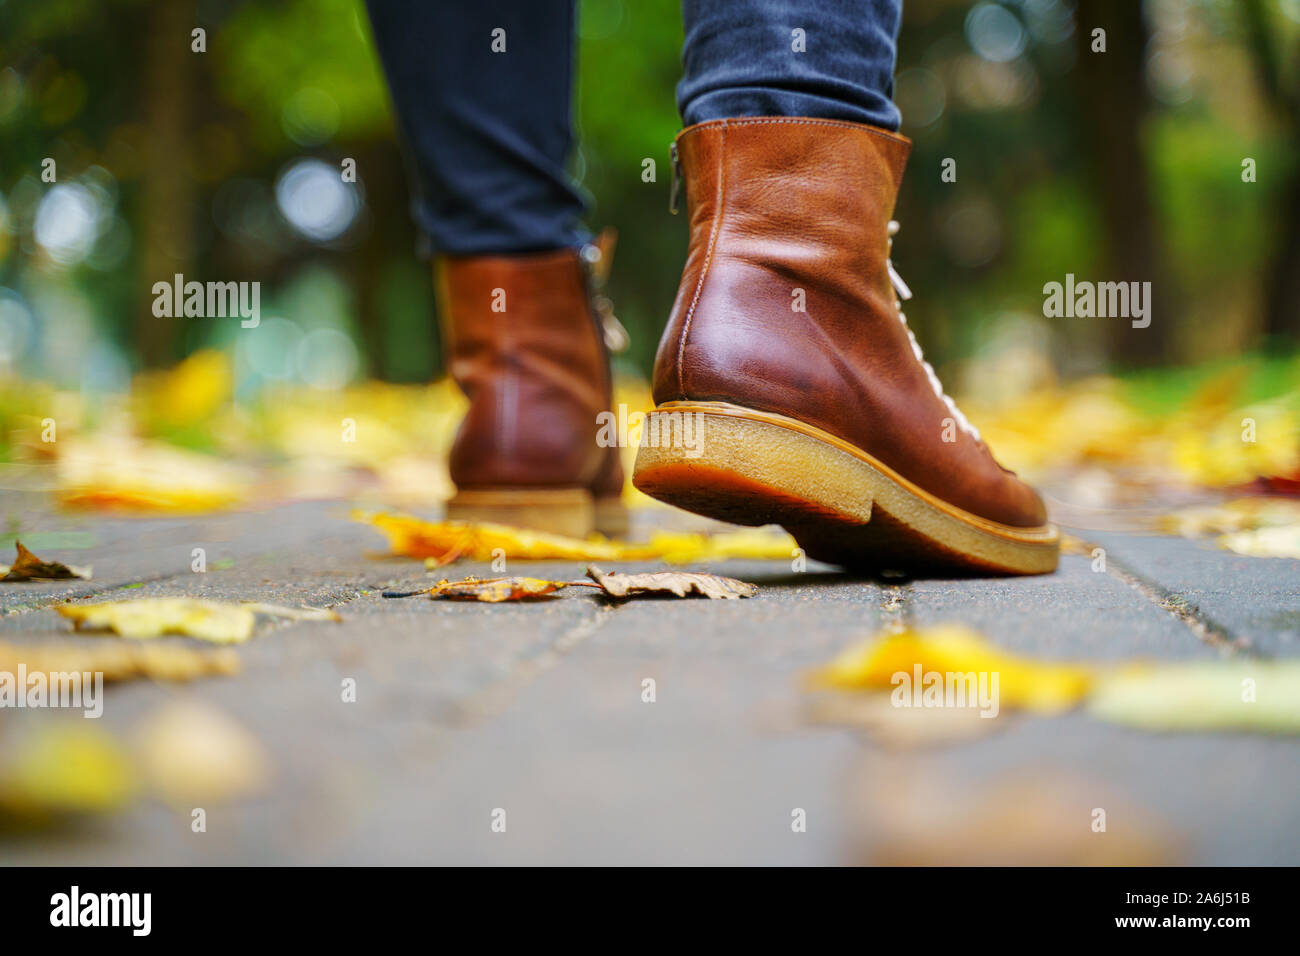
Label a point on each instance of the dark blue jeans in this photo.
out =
(489, 131)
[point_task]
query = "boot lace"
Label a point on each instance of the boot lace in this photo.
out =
(904, 293)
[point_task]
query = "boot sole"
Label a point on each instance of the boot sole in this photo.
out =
(841, 505)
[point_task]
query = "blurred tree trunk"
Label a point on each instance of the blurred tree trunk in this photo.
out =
(366, 264)
(1282, 292)
(167, 197)
(1111, 94)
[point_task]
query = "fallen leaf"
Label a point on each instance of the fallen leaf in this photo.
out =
(154, 617)
(1230, 517)
(1222, 695)
(65, 769)
(208, 620)
(441, 542)
(28, 567)
(757, 544)
(120, 661)
(1021, 682)
(115, 473)
(293, 613)
(495, 590)
(193, 755)
(1278, 542)
(186, 395)
(680, 583)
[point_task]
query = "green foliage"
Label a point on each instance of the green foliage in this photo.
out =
(304, 65)
(287, 79)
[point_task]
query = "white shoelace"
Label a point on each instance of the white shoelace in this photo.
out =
(904, 293)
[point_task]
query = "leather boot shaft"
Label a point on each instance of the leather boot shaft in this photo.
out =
(525, 347)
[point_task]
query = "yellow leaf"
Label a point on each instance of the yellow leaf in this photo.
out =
(1239, 514)
(154, 617)
(120, 661)
(65, 769)
(755, 544)
(1281, 542)
(125, 474)
(445, 541)
(1222, 695)
(1022, 682)
(186, 395)
(442, 542)
(209, 620)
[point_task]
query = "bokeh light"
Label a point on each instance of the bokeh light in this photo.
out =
(995, 33)
(67, 223)
(314, 199)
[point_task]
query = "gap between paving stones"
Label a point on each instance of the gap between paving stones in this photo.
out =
(1205, 628)
(494, 699)
(50, 599)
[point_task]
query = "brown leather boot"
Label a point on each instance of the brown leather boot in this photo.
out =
(528, 349)
(788, 387)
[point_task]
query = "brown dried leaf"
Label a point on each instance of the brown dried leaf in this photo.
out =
(496, 590)
(681, 583)
(28, 567)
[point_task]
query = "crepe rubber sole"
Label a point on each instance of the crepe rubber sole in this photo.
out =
(568, 511)
(841, 505)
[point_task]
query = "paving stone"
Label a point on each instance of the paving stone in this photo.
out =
(1257, 599)
(538, 709)
(1075, 613)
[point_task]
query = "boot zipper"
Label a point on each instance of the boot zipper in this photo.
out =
(677, 178)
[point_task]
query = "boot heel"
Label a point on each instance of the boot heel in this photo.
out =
(567, 511)
(750, 467)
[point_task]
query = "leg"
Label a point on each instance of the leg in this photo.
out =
(488, 133)
(787, 344)
(487, 119)
(741, 58)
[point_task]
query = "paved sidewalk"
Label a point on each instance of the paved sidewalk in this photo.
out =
(537, 709)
